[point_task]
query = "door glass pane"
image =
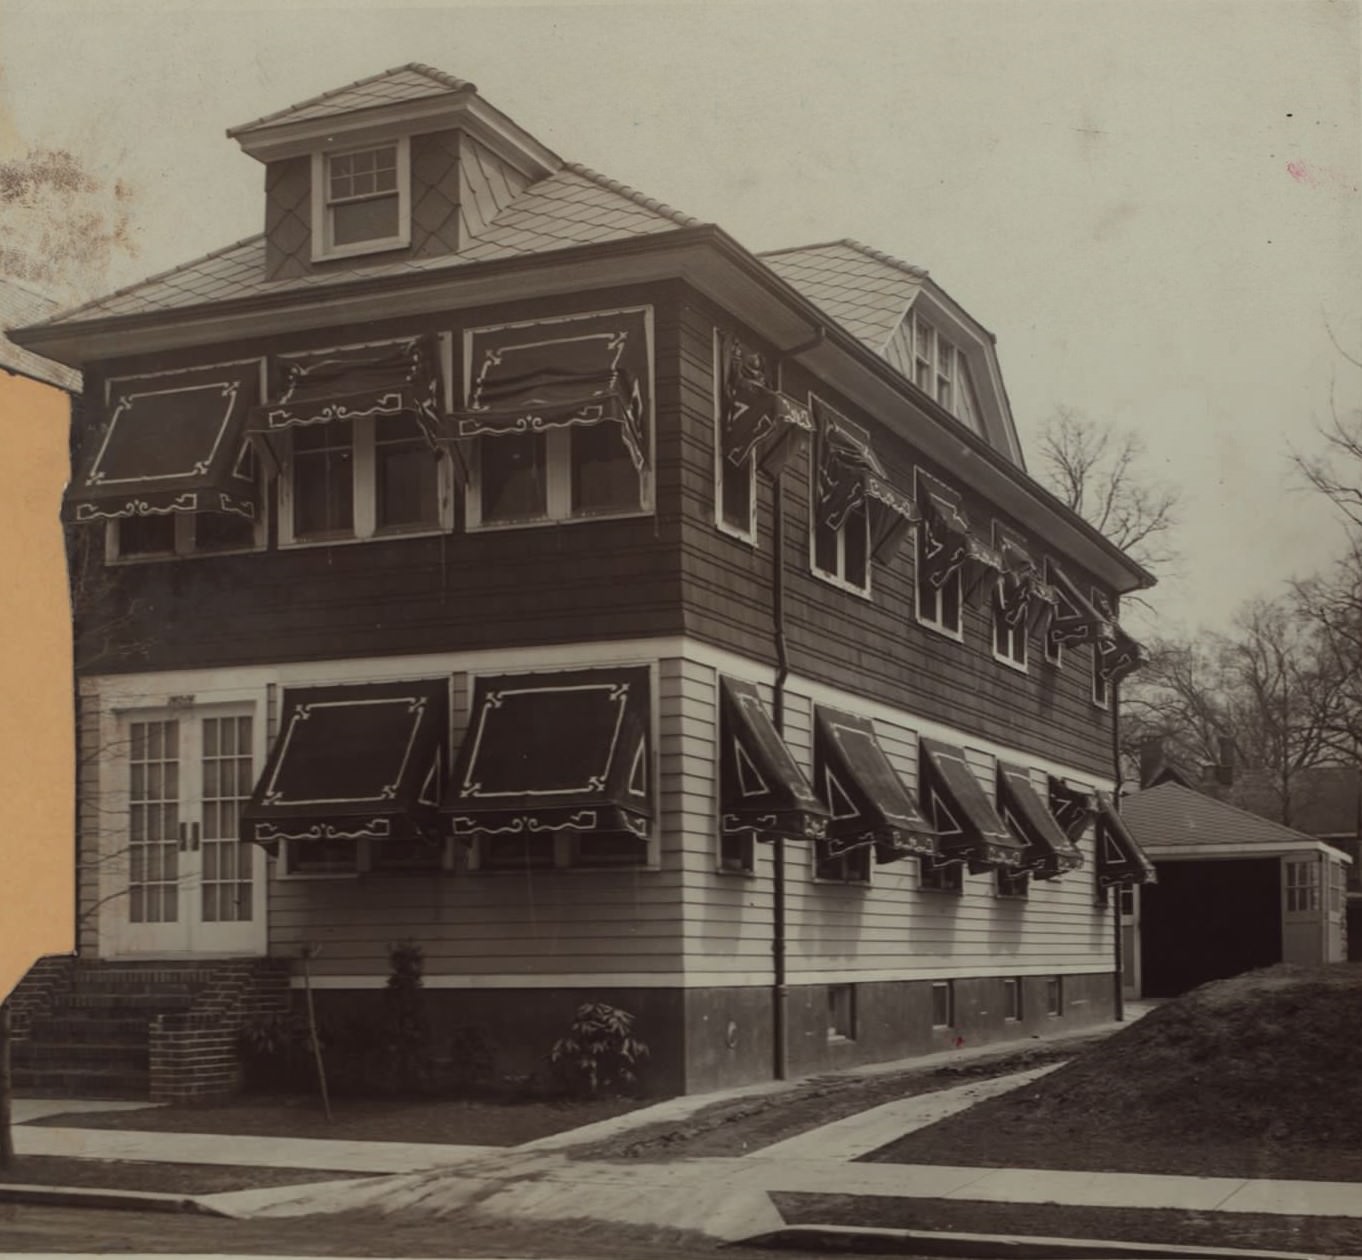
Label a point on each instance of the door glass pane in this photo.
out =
(153, 821)
(227, 782)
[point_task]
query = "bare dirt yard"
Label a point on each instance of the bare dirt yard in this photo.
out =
(459, 1122)
(1256, 1076)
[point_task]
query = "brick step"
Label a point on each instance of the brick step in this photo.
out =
(62, 1055)
(83, 1083)
(88, 1027)
(128, 1003)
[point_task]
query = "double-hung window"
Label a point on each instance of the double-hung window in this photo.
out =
(840, 516)
(937, 606)
(363, 478)
(1302, 886)
(360, 200)
(559, 413)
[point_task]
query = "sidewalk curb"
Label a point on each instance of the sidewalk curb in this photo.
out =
(124, 1200)
(875, 1241)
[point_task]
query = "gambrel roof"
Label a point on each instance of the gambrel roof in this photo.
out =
(864, 290)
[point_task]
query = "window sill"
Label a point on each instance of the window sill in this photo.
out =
(360, 248)
(350, 540)
(738, 535)
(544, 522)
(841, 584)
(936, 628)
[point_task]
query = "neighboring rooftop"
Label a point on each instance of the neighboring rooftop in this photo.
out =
(1170, 817)
(411, 82)
(21, 305)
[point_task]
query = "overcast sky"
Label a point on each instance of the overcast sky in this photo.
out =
(1153, 204)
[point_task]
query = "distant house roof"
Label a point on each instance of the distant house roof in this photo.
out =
(21, 305)
(1171, 822)
(411, 82)
(1325, 800)
(864, 290)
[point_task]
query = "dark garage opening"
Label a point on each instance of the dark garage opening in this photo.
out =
(1207, 920)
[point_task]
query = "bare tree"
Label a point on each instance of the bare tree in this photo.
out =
(1100, 472)
(63, 224)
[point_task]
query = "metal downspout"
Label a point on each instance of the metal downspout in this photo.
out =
(779, 991)
(1118, 980)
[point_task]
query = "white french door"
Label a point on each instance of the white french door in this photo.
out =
(191, 885)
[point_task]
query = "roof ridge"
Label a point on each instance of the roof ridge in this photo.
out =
(614, 185)
(64, 314)
(911, 269)
(441, 77)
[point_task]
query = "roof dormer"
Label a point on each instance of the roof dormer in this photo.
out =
(411, 162)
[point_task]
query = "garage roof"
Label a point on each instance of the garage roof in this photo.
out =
(1172, 822)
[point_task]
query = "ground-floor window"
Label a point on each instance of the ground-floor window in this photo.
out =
(1012, 999)
(841, 1012)
(1302, 886)
(1054, 995)
(943, 1004)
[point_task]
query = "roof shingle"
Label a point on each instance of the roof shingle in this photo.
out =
(20, 305)
(1169, 817)
(411, 82)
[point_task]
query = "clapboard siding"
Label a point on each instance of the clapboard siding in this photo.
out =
(891, 927)
(874, 646)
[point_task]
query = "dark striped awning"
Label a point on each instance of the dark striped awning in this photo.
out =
(170, 442)
(1120, 860)
(968, 828)
(869, 803)
(1049, 852)
(762, 790)
(554, 373)
(561, 752)
(756, 419)
(361, 762)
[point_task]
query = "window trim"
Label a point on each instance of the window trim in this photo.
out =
(1053, 653)
(838, 578)
(948, 987)
(557, 455)
(558, 489)
(842, 1022)
(364, 488)
(749, 535)
(998, 628)
(953, 877)
(322, 248)
(935, 623)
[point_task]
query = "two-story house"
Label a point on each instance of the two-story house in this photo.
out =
(514, 565)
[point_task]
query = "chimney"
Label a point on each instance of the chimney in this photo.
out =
(1151, 758)
(1224, 770)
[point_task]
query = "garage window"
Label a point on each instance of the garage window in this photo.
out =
(1302, 886)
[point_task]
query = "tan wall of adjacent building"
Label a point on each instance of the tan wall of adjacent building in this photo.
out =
(37, 851)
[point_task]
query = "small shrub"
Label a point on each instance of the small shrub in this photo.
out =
(472, 1061)
(276, 1053)
(599, 1051)
(410, 1063)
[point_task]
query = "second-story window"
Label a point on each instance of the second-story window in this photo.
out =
(361, 479)
(560, 415)
(844, 553)
(564, 474)
(360, 200)
(940, 605)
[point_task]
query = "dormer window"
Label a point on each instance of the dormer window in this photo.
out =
(360, 200)
(940, 370)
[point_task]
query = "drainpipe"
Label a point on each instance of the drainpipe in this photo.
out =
(1118, 994)
(779, 992)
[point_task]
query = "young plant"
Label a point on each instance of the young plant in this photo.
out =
(600, 1050)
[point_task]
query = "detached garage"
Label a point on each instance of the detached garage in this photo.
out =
(1235, 891)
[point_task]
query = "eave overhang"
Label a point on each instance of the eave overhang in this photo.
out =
(462, 109)
(704, 257)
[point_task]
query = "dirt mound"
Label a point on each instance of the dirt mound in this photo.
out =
(1270, 1055)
